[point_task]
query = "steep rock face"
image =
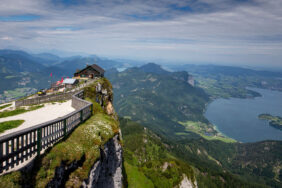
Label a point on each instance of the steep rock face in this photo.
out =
(107, 171)
(110, 109)
(62, 173)
(101, 91)
(186, 183)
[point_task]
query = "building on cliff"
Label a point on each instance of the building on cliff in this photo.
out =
(70, 83)
(91, 71)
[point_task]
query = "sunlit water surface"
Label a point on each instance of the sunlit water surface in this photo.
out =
(238, 118)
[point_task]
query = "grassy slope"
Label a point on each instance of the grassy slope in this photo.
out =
(6, 125)
(252, 165)
(145, 157)
(149, 99)
(84, 141)
(136, 178)
(82, 144)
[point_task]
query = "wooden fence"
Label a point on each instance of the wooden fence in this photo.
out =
(20, 146)
(44, 99)
(53, 97)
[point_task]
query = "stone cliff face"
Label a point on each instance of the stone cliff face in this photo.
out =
(107, 171)
(186, 183)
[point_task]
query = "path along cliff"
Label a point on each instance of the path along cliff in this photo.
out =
(91, 156)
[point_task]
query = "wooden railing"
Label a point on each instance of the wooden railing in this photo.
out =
(44, 99)
(19, 147)
(53, 97)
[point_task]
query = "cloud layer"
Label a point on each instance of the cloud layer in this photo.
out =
(222, 31)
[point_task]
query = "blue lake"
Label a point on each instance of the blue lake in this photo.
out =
(238, 118)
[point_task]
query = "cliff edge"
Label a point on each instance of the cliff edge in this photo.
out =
(88, 157)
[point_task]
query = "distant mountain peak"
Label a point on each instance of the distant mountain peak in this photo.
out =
(12, 52)
(153, 67)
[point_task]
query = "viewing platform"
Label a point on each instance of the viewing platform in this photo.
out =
(19, 147)
(48, 118)
(49, 112)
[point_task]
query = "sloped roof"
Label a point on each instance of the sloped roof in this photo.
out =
(95, 67)
(98, 68)
(69, 81)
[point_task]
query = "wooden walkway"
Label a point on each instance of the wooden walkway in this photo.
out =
(47, 113)
(19, 148)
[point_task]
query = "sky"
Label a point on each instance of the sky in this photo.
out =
(231, 32)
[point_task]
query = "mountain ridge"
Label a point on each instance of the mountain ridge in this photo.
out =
(230, 164)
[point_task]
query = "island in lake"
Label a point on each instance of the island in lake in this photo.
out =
(274, 121)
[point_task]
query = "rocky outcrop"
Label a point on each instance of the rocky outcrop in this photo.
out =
(107, 171)
(191, 80)
(62, 173)
(186, 183)
(101, 92)
(110, 109)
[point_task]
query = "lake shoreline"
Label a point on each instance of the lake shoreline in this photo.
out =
(220, 125)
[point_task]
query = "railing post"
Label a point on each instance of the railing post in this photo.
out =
(1, 155)
(65, 127)
(81, 116)
(39, 137)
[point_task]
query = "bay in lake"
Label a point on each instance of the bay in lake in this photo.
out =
(238, 118)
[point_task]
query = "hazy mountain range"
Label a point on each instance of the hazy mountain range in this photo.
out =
(161, 110)
(19, 69)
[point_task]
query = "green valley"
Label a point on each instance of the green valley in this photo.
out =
(163, 121)
(206, 131)
(227, 81)
(158, 101)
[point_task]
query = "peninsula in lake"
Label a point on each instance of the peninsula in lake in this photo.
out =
(274, 121)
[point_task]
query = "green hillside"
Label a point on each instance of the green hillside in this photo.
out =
(172, 111)
(20, 70)
(159, 101)
(212, 163)
(148, 163)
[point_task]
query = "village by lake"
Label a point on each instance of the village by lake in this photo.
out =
(238, 118)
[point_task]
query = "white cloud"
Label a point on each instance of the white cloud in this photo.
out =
(6, 38)
(219, 32)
